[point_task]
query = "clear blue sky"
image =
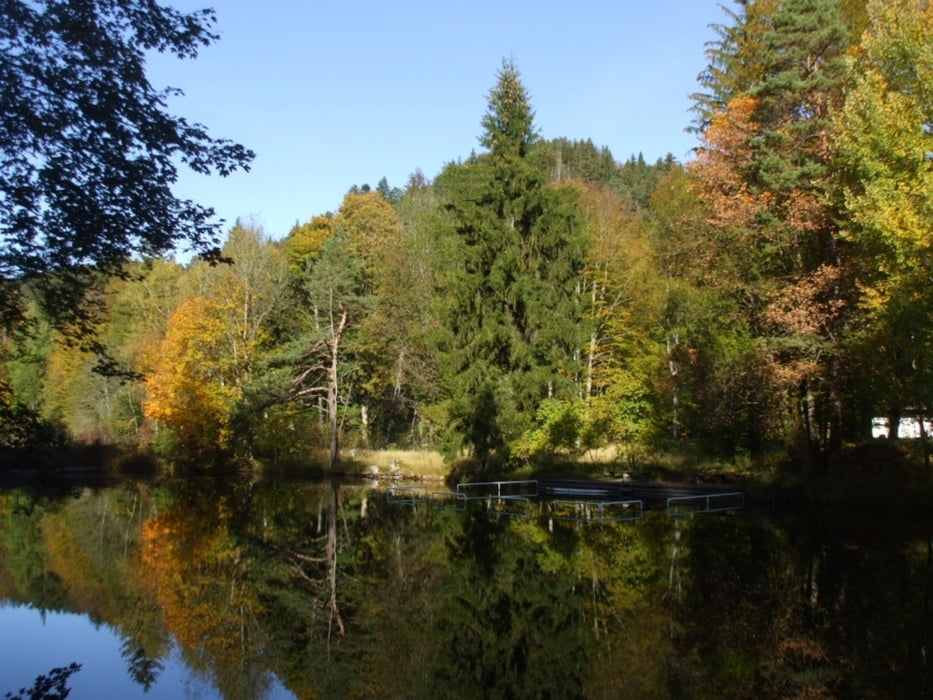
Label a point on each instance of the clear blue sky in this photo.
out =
(331, 94)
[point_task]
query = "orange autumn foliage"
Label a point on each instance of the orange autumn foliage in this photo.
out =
(197, 577)
(191, 388)
(721, 167)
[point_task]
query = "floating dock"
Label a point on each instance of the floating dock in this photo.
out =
(593, 500)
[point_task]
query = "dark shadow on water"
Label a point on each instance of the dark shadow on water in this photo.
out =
(53, 686)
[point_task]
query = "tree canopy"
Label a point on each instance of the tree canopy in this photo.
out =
(88, 149)
(509, 313)
(532, 301)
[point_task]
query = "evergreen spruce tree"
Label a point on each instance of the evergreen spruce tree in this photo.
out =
(512, 250)
(734, 59)
(766, 175)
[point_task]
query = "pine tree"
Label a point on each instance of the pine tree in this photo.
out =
(509, 120)
(734, 59)
(514, 250)
(765, 173)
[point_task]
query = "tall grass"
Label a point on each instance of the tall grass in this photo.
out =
(420, 463)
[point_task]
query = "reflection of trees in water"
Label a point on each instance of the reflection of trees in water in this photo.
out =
(78, 547)
(510, 608)
(142, 669)
(807, 608)
(511, 616)
(339, 593)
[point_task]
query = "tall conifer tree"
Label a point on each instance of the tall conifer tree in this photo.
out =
(765, 173)
(513, 252)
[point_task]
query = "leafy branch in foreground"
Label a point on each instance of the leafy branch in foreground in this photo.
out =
(88, 151)
(54, 686)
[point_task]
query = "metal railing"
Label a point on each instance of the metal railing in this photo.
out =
(499, 489)
(448, 500)
(596, 511)
(406, 495)
(514, 498)
(515, 506)
(705, 503)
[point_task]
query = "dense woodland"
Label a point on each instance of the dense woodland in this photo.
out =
(541, 297)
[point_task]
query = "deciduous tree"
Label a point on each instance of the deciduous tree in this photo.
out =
(192, 388)
(885, 149)
(88, 150)
(621, 297)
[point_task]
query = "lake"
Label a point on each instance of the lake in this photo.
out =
(237, 588)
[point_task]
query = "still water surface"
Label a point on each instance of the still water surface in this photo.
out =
(273, 589)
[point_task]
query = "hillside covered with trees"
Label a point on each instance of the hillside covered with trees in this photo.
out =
(541, 297)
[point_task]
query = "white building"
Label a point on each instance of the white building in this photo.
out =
(908, 427)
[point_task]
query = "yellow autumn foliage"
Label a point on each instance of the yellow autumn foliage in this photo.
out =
(191, 388)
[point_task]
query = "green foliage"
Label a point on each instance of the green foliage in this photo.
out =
(392, 195)
(773, 290)
(25, 556)
(78, 200)
(237, 577)
(562, 159)
(503, 637)
(512, 252)
(335, 304)
(884, 148)
(304, 242)
(22, 427)
(28, 354)
(281, 433)
(508, 125)
(636, 180)
(734, 59)
(765, 175)
(558, 426)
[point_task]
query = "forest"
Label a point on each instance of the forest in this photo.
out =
(541, 298)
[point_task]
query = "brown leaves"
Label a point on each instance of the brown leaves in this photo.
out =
(811, 306)
(722, 166)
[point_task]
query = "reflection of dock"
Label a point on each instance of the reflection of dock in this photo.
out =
(575, 499)
(679, 497)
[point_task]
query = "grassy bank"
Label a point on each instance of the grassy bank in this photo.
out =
(879, 474)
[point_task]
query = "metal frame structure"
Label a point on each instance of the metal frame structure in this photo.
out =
(599, 511)
(705, 503)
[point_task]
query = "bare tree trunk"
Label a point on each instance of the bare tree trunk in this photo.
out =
(364, 423)
(323, 370)
(332, 559)
(333, 389)
(590, 368)
(894, 422)
(675, 579)
(808, 415)
(924, 442)
(673, 340)
(334, 451)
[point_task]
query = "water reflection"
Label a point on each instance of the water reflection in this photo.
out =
(289, 589)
